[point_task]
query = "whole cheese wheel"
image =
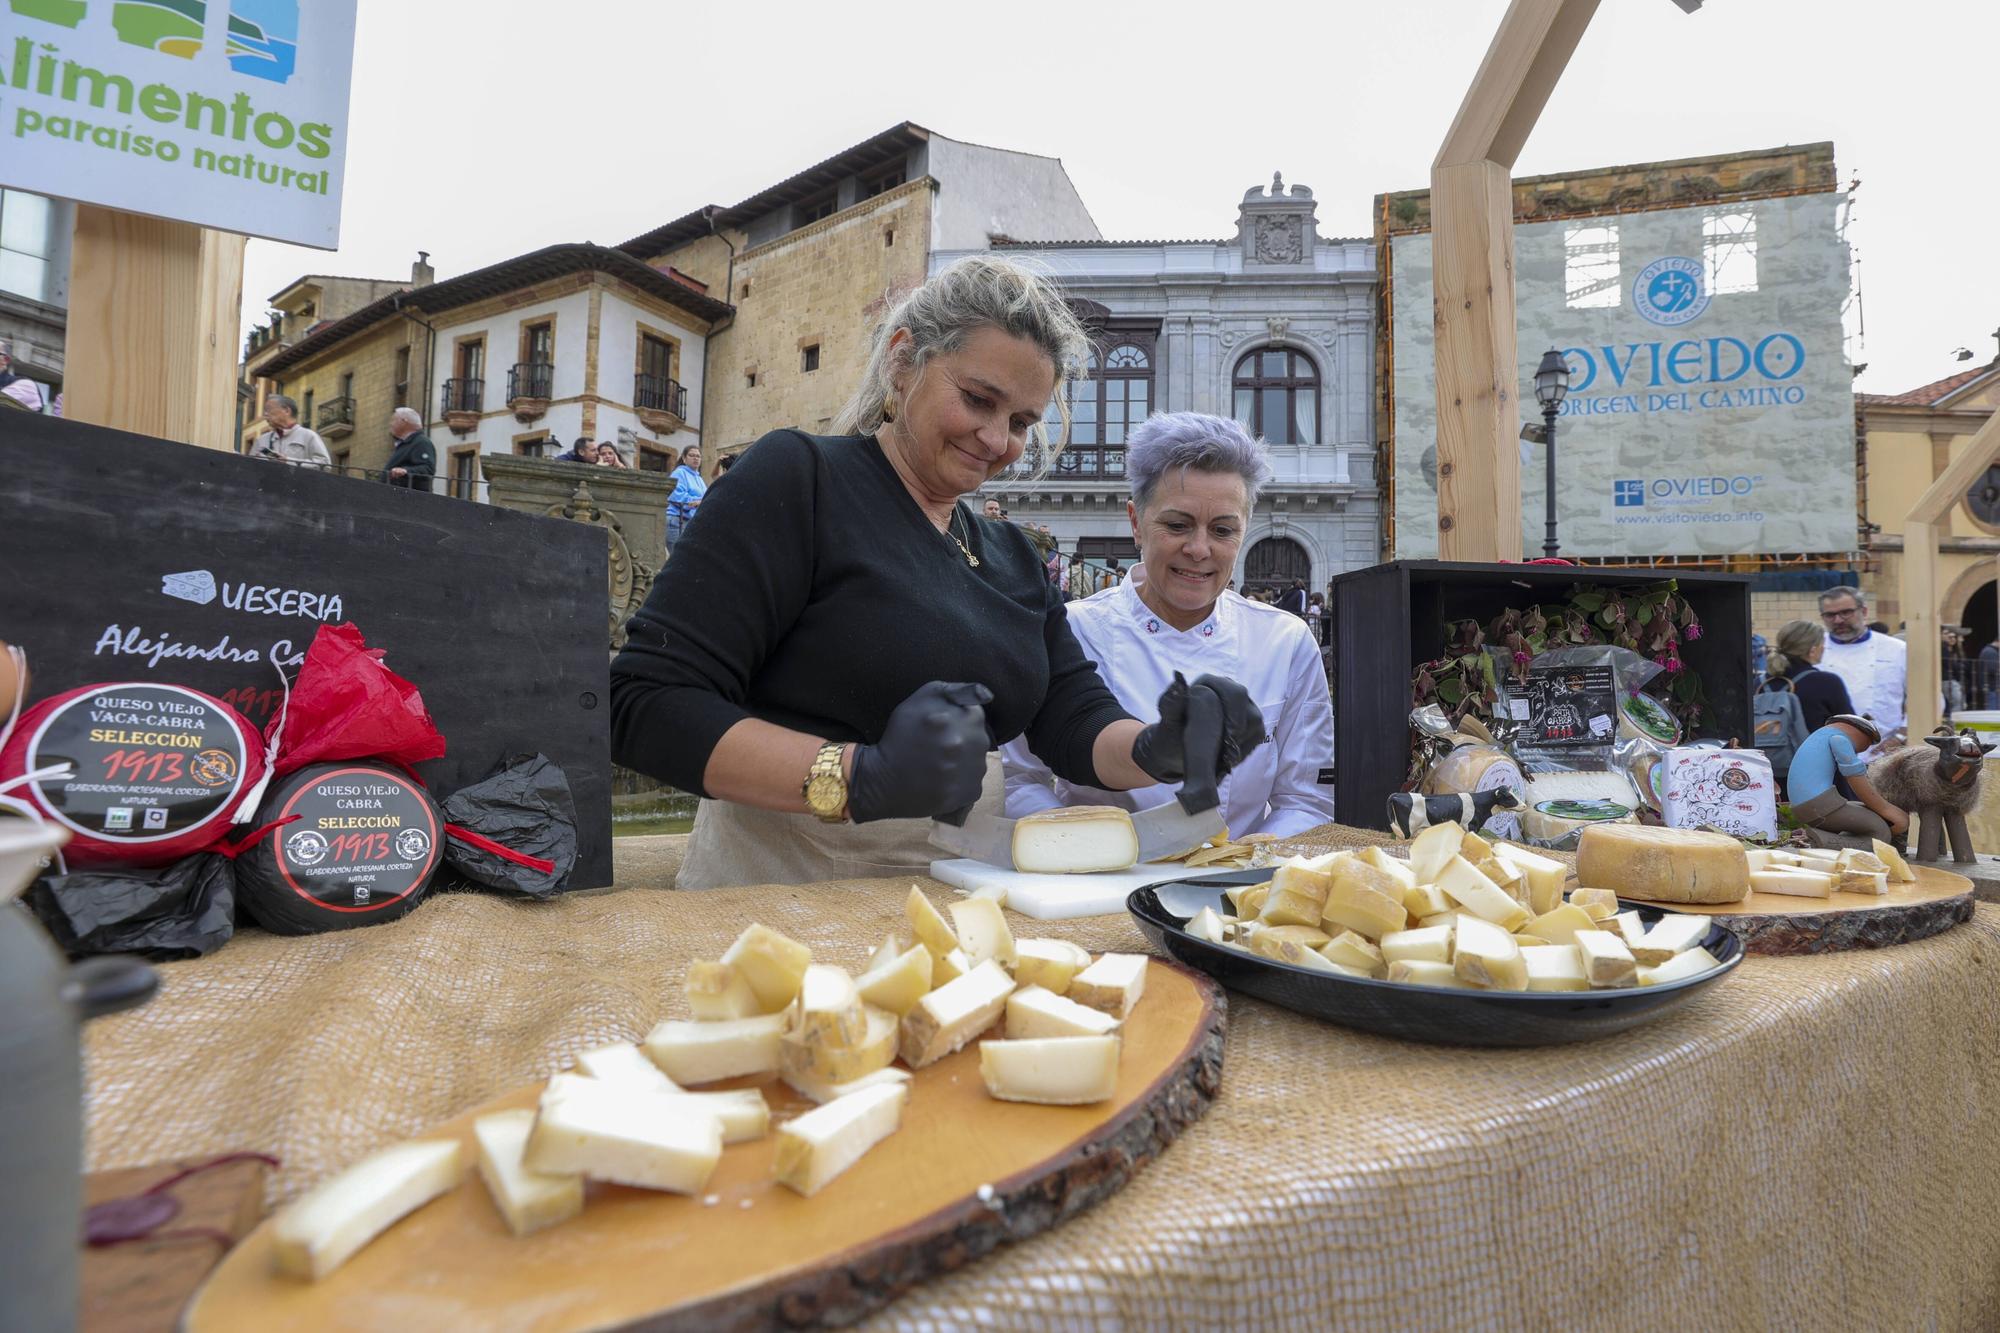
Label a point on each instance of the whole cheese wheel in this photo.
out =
(1477, 768)
(157, 769)
(361, 848)
(1663, 864)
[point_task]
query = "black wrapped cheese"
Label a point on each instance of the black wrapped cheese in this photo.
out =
(360, 847)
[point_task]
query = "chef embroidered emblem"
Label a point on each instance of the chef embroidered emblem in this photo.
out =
(1152, 627)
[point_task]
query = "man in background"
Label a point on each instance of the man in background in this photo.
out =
(991, 509)
(1294, 599)
(287, 441)
(16, 390)
(1874, 666)
(412, 457)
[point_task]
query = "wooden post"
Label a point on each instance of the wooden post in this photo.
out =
(1919, 583)
(1472, 263)
(154, 309)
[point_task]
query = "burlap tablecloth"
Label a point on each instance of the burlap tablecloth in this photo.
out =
(1814, 1143)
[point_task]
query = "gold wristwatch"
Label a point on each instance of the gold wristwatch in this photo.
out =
(825, 786)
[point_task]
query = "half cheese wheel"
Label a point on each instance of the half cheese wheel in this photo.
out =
(1664, 865)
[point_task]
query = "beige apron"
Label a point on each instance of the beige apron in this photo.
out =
(733, 844)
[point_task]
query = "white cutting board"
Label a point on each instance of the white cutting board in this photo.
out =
(1057, 897)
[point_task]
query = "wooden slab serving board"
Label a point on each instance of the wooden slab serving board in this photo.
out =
(1774, 923)
(964, 1174)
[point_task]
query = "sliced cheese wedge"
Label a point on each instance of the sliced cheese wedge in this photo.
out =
(1077, 840)
(1428, 900)
(718, 991)
(1351, 950)
(1545, 875)
(1598, 904)
(823, 1092)
(1480, 896)
(1899, 869)
(1203, 925)
(1486, 955)
(1669, 936)
(982, 930)
(1112, 984)
(773, 963)
(1433, 849)
(1560, 925)
(829, 1008)
(1051, 1071)
(527, 1200)
(324, 1227)
(704, 1052)
(1428, 944)
(1035, 1012)
(1792, 883)
(899, 982)
(948, 967)
(1422, 972)
(1874, 882)
(1051, 964)
(1297, 897)
(1607, 962)
(1393, 866)
(624, 1062)
(932, 930)
(1688, 963)
(627, 1138)
(1554, 967)
(954, 1014)
(822, 1143)
(830, 1061)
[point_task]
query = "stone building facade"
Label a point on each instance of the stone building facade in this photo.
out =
(1273, 326)
(520, 357)
(309, 302)
(34, 285)
(813, 263)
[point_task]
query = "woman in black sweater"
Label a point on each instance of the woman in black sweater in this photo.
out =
(837, 642)
(1793, 665)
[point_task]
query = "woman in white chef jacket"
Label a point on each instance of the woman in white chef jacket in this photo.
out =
(1194, 481)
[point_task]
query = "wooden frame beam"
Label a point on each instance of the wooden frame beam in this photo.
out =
(1472, 264)
(1919, 572)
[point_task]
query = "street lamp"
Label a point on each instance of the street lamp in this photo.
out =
(1551, 383)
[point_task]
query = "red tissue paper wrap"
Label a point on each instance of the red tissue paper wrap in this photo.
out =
(346, 705)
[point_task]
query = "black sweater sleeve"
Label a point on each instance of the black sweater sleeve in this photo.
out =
(1078, 706)
(1822, 694)
(736, 580)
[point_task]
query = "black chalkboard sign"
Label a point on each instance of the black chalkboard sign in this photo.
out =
(129, 558)
(1570, 706)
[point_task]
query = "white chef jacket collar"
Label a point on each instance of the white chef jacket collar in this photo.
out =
(1151, 623)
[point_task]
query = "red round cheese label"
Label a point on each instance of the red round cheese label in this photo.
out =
(361, 838)
(147, 762)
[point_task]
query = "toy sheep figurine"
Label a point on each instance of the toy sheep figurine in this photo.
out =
(1937, 785)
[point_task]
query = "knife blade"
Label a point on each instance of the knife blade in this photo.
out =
(981, 837)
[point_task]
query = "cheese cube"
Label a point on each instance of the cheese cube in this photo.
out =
(1599, 904)
(1899, 869)
(1853, 858)
(1485, 955)
(1203, 925)
(1545, 875)
(822, 1092)
(1278, 948)
(1297, 897)
(1433, 849)
(624, 1062)
(954, 1014)
(1480, 896)
(1669, 936)
(1248, 899)
(898, 983)
(1035, 1012)
(773, 963)
(704, 1052)
(982, 931)
(892, 947)
(1792, 883)
(1429, 944)
(1554, 967)
(323, 1228)
(828, 1008)
(1112, 984)
(822, 1143)
(1428, 900)
(831, 1061)
(527, 1200)
(1351, 950)
(1629, 927)
(1606, 960)
(1560, 925)
(1393, 866)
(947, 968)
(1077, 840)
(1688, 963)
(637, 1139)
(718, 991)
(1051, 963)
(933, 931)
(1422, 972)
(1474, 848)
(1355, 905)
(1051, 1071)
(1862, 881)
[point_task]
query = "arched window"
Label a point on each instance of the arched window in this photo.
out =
(1115, 395)
(1277, 396)
(1274, 562)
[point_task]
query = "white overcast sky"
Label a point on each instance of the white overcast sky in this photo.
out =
(485, 130)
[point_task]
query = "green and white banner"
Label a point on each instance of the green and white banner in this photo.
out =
(227, 113)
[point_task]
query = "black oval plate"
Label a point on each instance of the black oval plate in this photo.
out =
(1418, 1013)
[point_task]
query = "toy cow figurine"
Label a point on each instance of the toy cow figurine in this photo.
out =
(1410, 814)
(1937, 785)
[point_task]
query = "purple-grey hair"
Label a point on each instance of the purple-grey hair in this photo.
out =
(1196, 440)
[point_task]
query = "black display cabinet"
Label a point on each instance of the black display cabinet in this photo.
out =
(1389, 618)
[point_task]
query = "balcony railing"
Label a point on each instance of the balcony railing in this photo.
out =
(530, 379)
(464, 395)
(660, 402)
(1079, 462)
(335, 418)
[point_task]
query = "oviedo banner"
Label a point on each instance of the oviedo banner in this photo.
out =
(227, 113)
(1710, 407)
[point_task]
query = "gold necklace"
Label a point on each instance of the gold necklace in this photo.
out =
(964, 550)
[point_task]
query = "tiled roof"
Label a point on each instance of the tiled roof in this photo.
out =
(1930, 394)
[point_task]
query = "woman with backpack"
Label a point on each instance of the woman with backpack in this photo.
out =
(1794, 666)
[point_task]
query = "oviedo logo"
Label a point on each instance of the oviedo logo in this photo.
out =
(1670, 291)
(261, 37)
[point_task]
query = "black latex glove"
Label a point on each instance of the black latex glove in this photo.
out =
(1161, 749)
(931, 759)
